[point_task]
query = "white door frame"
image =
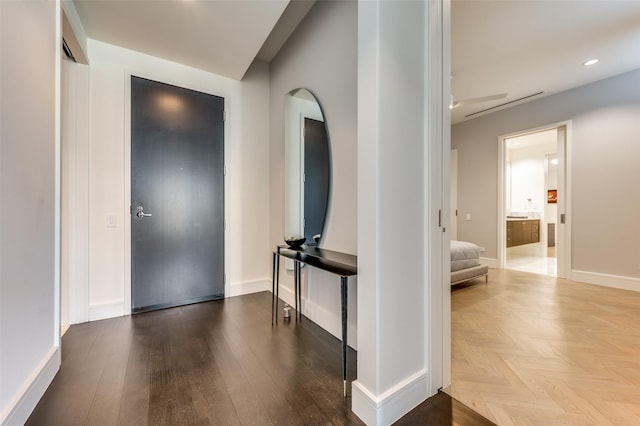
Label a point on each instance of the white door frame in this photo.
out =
(437, 196)
(453, 184)
(564, 195)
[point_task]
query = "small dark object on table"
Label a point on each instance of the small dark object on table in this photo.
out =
(295, 242)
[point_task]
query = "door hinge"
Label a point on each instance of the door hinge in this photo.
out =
(224, 115)
(224, 171)
(562, 218)
(225, 278)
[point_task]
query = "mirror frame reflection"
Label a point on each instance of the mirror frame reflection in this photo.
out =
(307, 167)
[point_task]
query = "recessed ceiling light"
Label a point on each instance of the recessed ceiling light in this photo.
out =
(591, 62)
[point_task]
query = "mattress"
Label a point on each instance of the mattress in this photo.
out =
(464, 255)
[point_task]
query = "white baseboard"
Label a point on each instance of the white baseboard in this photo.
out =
(115, 308)
(22, 405)
(491, 263)
(104, 310)
(605, 280)
(391, 405)
(248, 287)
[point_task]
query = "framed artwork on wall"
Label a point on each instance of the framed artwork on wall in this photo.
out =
(552, 196)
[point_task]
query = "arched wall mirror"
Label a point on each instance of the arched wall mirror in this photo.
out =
(307, 167)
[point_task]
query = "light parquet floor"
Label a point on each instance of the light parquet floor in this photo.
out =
(534, 350)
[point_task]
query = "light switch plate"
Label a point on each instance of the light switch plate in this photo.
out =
(112, 221)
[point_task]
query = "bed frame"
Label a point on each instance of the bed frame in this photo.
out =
(467, 274)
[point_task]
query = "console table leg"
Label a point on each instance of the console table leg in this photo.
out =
(273, 287)
(300, 290)
(296, 267)
(343, 300)
(277, 284)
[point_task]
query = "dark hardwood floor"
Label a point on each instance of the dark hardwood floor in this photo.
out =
(218, 362)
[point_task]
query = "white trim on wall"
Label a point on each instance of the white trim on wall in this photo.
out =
(247, 287)
(606, 280)
(75, 191)
(19, 409)
(491, 263)
(391, 405)
(565, 268)
(437, 197)
(439, 352)
(57, 330)
(110, 309)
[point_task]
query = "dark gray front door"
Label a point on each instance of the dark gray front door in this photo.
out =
(177, 196)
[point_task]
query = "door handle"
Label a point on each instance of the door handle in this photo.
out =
(141, 214)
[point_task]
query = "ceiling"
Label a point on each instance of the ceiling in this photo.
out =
(219, 36)
(518, 47)
(529, 46)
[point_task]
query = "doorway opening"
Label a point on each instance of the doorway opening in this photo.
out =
(533, 199)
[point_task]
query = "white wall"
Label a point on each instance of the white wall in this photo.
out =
(528, 178)
(74, 262)
(605, 129)
(29, 140)
(321, 57)
(247, 146)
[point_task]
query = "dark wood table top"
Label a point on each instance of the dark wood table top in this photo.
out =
(342, 264)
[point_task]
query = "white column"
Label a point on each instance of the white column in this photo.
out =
(395, 209)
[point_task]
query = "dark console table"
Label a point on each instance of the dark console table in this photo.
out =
(342, 264)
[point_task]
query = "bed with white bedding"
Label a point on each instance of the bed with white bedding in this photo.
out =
(465, 262)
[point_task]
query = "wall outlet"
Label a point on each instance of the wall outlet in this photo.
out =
(482, 249)
(467, 216)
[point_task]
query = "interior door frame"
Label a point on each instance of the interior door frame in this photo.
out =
(453, 184)
(564, 195)
(437, 196)
(127, 174)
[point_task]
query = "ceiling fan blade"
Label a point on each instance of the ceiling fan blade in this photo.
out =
(479, 100)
